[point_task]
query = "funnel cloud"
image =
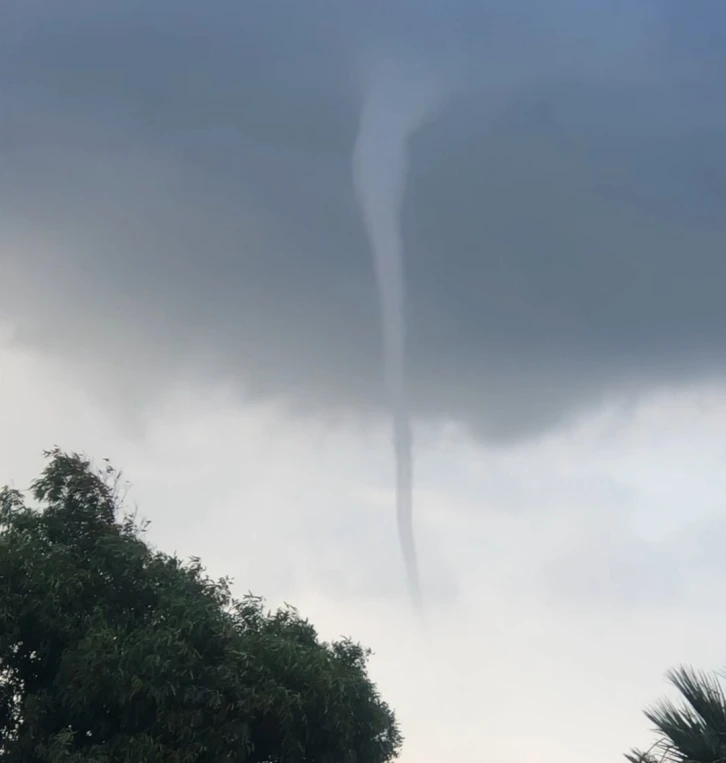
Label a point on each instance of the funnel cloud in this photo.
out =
(396, 102)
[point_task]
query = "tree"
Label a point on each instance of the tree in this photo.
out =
(694, 732)
(113, 651)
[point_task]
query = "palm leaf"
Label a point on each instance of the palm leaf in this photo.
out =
(695, 731)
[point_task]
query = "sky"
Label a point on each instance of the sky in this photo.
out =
(187, 289)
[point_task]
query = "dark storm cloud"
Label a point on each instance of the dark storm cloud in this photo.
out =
(175, 191)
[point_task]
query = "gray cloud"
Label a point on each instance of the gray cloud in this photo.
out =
(612, 568)
(175, 194)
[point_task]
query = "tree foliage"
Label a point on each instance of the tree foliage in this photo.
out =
(113, 651)
(695, 731)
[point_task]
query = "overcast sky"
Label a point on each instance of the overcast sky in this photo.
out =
(187, 289)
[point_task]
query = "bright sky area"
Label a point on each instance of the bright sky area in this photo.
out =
(562, 577)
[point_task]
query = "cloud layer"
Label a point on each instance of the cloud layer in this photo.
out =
(175, 194)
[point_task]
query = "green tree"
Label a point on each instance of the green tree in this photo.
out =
(113, 651)
(695, 731)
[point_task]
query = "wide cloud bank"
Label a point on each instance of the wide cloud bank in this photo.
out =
(176, 194)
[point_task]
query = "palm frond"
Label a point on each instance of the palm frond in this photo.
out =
(694, 732)
(704, 693)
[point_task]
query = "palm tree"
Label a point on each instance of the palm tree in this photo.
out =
(695, 732)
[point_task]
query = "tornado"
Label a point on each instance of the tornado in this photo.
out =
(398, 98)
